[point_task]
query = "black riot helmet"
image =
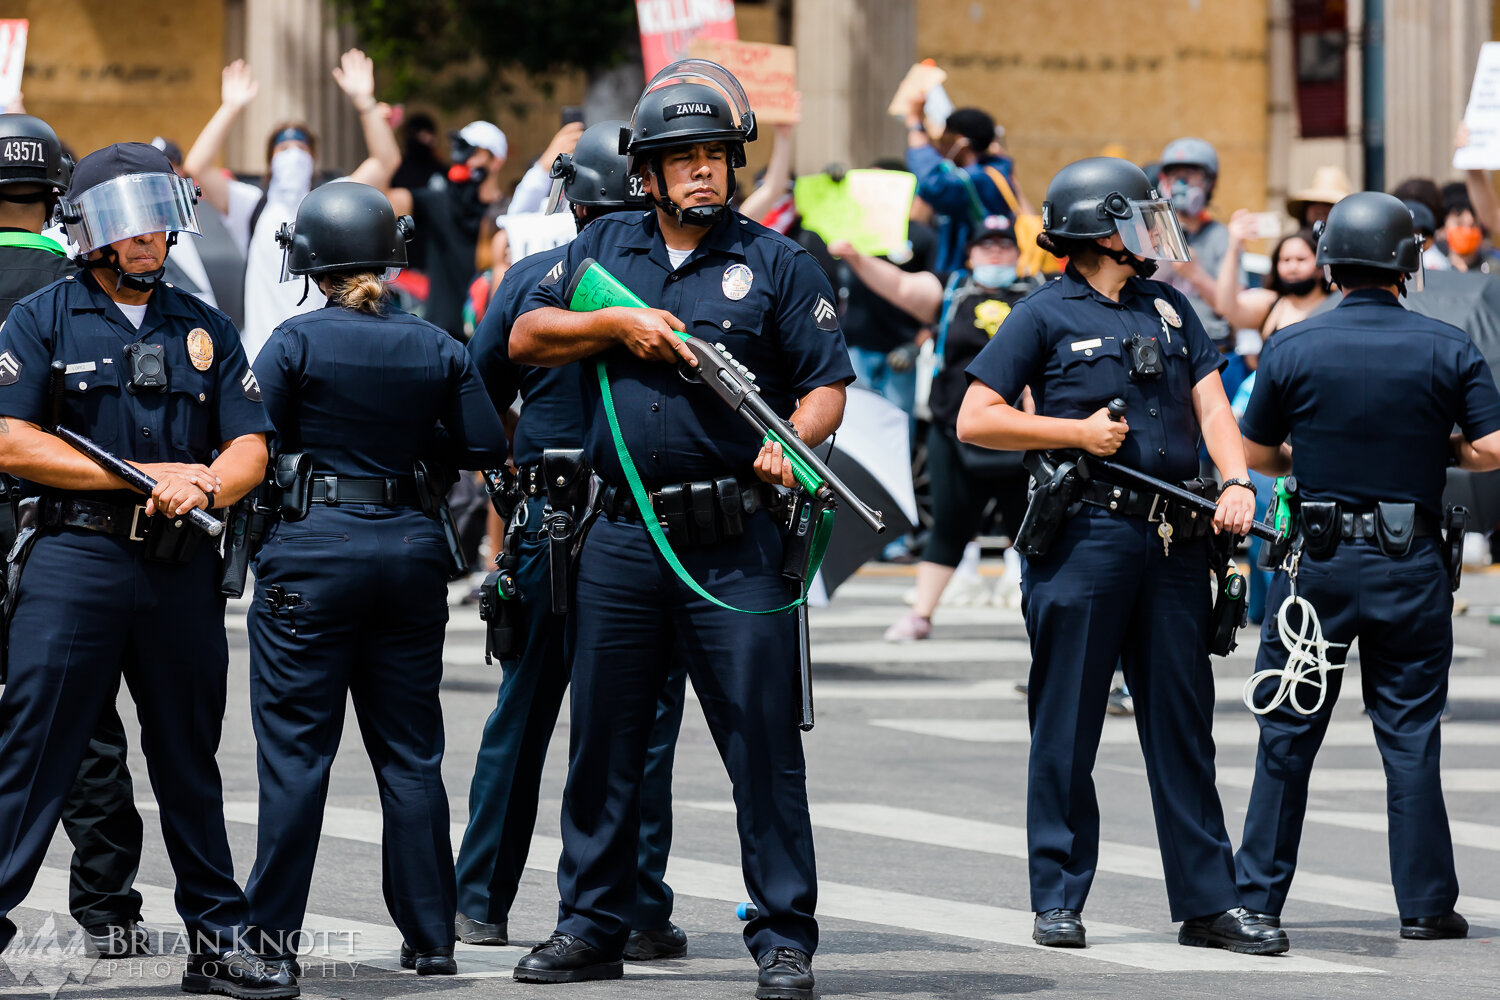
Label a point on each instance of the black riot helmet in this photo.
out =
(1370, 229)
(688, 102)
(1103, 195)
(344, 226)
(30, 154)
(595, 175)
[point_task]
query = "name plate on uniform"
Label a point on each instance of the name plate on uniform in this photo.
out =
(1086, 345)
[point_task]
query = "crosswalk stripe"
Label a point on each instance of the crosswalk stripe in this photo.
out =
(1236, 731)
(959, 833)
(1111, 943)
(1465, 834)
(1333, 779)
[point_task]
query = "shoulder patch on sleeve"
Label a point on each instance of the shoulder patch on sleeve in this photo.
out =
(250, 387)
(10, 369)
(553, 276)
(824, 315)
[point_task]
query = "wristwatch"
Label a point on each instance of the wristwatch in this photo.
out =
(1238, 482)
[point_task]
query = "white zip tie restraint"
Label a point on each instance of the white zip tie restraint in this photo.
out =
(1306, 654)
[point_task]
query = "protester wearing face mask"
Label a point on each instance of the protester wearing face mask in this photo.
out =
(1468, 249)
(253, 213)
(1188, 173)
(450, 217)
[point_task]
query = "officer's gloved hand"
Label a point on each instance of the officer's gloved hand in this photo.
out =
(903, 357)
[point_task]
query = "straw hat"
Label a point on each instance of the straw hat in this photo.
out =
(1330, 185)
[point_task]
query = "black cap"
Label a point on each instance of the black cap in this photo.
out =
(1371, 229)
(116, 161)
(31, 153)
(994, 227)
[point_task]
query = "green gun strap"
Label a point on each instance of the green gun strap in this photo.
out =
(31, 241)
(653, 526)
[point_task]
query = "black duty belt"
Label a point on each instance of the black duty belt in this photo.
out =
(616, 501)
(117, 519)
(391, 491)
(529, 480)
(1124, 501)
(1361, 524)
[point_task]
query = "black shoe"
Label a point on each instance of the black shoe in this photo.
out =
(1269, 919)
(436, 962)
(1236, 930)
(785, 974)
(124, 940)
(563, 958)
(277, 964)
(237, 974)
(1449, 925)
(1059, 928)
(644, 946)
(471, 931)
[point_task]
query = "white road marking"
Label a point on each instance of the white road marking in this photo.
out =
(959, 833)
(1465, 834)
(1330, 779)
(1231, 732)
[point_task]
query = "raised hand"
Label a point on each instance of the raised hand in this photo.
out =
(238, 87)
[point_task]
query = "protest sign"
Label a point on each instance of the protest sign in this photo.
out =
(767, 72)
(1483, 114)
(869, 208)
(668, 26)
(12, 59)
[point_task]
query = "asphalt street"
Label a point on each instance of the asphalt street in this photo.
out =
(917, 771)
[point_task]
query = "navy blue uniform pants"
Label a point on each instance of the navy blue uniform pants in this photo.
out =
(368, 622)
(513, 749)
(635, 621)
(1400, 610)
(91, 608)
(1106, 594)
(100, 818)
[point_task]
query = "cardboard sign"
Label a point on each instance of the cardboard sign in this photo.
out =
(12, 59)
(767, 72)
(669, 26)
(533, 232)
(869, 208)
(1482, 116)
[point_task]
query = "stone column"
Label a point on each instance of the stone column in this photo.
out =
(292, 45)
(851, 54)
(1431, 47)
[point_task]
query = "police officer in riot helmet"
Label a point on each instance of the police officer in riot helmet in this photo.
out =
(99, 816)
(1124, 577)
(1370, 553)
(592, 182)
(351, 583)
(698, 266)
(116, 584)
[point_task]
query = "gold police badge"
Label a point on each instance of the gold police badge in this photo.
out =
(200, 348)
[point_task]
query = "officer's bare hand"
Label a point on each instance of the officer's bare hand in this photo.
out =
(200, 476)
(774, 467)
(175, 495)
(1236, 511)
(1099, 435)
(649, 334)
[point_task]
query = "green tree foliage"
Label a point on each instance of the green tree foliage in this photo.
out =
(449, 50)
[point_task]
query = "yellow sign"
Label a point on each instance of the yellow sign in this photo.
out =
(869, 208)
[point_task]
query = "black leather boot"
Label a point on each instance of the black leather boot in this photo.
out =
(1236, 930)
(1059, 928)
(563, 958)
(471, 931)
(646, 946)
(785, 974)
(123, 940)
(435, 962)
(238, 974)
(1449, 925)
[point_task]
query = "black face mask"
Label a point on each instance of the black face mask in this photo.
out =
(1299, 287)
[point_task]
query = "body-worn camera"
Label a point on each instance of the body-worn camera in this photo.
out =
(1145, 358)
(148, 368)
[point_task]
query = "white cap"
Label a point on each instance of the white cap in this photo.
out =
(1247, 342)
(485, 135)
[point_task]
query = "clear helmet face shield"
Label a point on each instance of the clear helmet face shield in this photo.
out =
(1150, 229)
(128, 206)
(561, 173)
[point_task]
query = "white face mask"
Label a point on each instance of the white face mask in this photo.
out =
(291, 173)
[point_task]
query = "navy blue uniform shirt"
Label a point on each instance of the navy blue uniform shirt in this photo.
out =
(1369, 393)
(552, 414)
(746, 287)
(211, 396)
(366, 395)
(1067, 342)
